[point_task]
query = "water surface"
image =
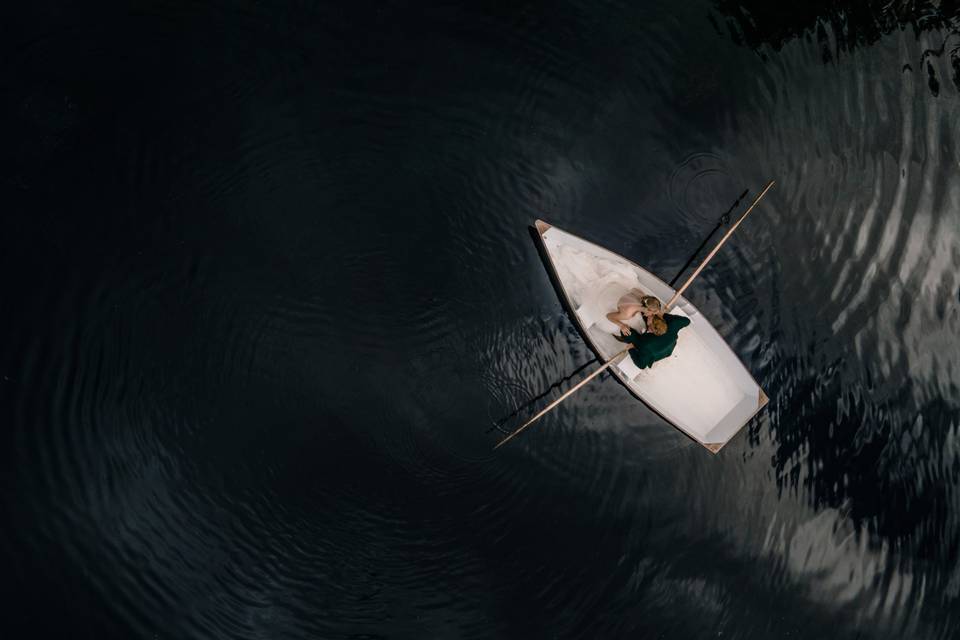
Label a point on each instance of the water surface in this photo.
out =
(268, 281)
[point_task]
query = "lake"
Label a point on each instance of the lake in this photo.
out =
(268, 285)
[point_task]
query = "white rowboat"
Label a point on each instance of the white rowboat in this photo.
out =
(702, 389)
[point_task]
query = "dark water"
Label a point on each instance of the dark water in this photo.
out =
(267, 280)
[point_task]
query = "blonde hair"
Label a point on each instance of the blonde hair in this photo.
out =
(657, 325)
(650, 303)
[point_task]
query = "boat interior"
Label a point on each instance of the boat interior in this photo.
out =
(702, 388)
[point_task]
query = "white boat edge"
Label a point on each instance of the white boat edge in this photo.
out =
(542, 227)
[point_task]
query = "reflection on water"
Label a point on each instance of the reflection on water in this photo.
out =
(269, 281)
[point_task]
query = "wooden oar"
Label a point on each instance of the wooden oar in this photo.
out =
(615, 359)
(686, 284)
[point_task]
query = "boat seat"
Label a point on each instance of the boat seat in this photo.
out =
(628, 368)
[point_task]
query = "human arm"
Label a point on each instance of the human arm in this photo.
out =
(677, 321)
(615, 317)
(623, 313)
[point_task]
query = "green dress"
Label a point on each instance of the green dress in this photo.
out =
(648, 348)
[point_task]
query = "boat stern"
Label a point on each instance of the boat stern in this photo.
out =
(762, 401)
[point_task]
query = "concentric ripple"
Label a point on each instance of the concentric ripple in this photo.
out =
(269, 285)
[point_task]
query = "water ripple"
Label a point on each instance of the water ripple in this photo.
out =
(250, 381)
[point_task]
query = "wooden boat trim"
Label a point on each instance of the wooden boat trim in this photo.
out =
(541, 228)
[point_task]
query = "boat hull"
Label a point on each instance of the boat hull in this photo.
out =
(702, 389)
